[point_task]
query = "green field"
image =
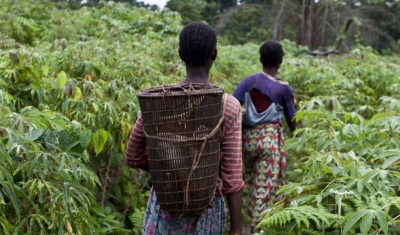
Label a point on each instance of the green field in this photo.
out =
(68, 85)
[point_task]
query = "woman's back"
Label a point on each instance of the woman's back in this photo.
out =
(278, 91)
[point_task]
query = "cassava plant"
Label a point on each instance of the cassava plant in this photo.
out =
(344, 167)
(69, 80)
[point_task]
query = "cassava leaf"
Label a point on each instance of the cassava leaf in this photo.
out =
(388, 162)
(12, 197)
(61, 79)
(352, 219)
(77, 94)
(366, 222)
(45, 70)
(99, 139)
(64, 138)
(383, 223)
(85, 138)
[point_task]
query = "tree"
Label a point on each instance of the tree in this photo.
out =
(75, 4)
(318, 24)
(196, 10)
(242, 24)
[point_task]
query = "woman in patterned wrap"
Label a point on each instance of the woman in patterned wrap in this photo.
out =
(267, 98)
(197, 49)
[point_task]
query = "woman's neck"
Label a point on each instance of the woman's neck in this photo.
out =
(196, 75)
(273, 72)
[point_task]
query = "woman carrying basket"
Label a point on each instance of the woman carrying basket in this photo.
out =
(267, 99)
(197, 49)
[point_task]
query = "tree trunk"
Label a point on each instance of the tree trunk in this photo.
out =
(303, 24)
(324, 26)
(310, 17)
(277, 23)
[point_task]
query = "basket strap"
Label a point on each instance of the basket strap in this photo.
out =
(196, 159)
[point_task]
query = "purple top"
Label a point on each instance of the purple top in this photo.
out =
(278, 91)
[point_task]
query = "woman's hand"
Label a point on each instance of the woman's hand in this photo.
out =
(235, 210)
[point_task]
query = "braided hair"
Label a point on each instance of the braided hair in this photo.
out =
(197, 42)
(271, 54)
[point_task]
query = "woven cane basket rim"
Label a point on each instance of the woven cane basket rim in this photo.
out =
(176, 90)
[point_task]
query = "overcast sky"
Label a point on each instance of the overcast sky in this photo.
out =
(159, 3)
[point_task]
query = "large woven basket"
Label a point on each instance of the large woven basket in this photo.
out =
(182, 125)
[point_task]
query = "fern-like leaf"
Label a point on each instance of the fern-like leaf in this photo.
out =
(137, 220)
(302, 215)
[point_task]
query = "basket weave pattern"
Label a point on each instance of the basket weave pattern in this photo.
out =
(182, 125)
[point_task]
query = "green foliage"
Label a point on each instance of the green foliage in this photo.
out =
(195, 10)
(301, 216)
(42, 174)
(190, 11)
(240, 27)
(68, 85)
(68, 105)
(136, 219)
(346, 151)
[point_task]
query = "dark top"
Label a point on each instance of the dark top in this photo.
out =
(277, 90)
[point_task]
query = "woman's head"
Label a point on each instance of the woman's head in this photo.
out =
(271, 54)
(197, 44)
